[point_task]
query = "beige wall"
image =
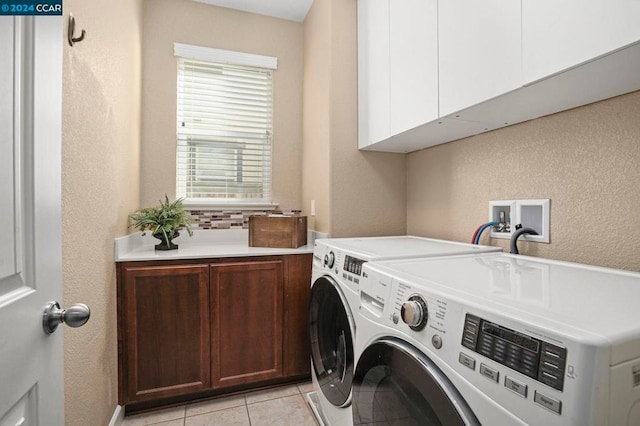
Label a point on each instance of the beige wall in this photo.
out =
(186, 21)
(316, 124)
(585, 160)
(365, 192)
(100, 176)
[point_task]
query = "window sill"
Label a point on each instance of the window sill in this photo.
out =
(217, 205)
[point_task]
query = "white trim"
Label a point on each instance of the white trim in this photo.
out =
(218, 205)
(224, 56)
(118, 416)
(291, 10)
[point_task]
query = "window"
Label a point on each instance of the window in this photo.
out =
(224, 126)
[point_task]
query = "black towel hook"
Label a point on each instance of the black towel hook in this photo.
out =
(71, 33)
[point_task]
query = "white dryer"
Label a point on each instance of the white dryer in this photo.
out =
(335, 297)
(499, 340)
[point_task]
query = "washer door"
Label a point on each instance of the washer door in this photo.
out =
(331, 330)
(395, 383)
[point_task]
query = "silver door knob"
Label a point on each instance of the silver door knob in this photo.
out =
(74, 316)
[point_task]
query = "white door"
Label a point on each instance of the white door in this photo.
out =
(31, 375)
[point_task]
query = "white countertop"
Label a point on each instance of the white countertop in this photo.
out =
(203, 244)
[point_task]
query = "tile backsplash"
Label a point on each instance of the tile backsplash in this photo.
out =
(229, 219)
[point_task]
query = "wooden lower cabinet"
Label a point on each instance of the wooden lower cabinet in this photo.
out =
(192, 327)
(246, 301)
(297, 287)
(167, 336)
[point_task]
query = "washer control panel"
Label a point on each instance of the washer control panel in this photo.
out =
(532, 357)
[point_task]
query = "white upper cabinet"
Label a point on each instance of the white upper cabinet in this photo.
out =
(431, 71)
(557, 35)
(413, 34)
(480, 52)
(373, 72)
(397, 67)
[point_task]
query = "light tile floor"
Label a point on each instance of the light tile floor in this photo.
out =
(285, 405)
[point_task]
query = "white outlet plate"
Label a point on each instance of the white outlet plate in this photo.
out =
(534, 214)
(495, 207)
(529, 213)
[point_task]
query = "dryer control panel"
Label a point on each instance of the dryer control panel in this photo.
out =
(535, 358)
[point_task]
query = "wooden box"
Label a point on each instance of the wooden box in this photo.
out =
(277, 231)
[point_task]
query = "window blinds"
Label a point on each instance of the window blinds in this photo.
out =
(224, 127)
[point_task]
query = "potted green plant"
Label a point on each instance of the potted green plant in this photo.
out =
(163, 221)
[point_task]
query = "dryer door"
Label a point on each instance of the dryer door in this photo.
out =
(331, 330)
(395, 383)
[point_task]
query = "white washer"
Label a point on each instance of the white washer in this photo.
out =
(497, 339)
(335, 297)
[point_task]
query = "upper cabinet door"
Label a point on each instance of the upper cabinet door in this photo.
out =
(557, 35)
(480, 51)
(373, 71)
(413, 35)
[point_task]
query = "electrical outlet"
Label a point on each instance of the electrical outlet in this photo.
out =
(313, 208)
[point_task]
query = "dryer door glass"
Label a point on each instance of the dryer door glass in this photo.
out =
(331, 333)
(394, 383)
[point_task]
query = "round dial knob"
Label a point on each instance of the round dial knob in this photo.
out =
(414, 313)
(329, 259)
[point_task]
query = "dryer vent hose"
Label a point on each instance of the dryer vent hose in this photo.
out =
(520, 231)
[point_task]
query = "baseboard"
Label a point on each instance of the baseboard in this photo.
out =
(118, 416)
